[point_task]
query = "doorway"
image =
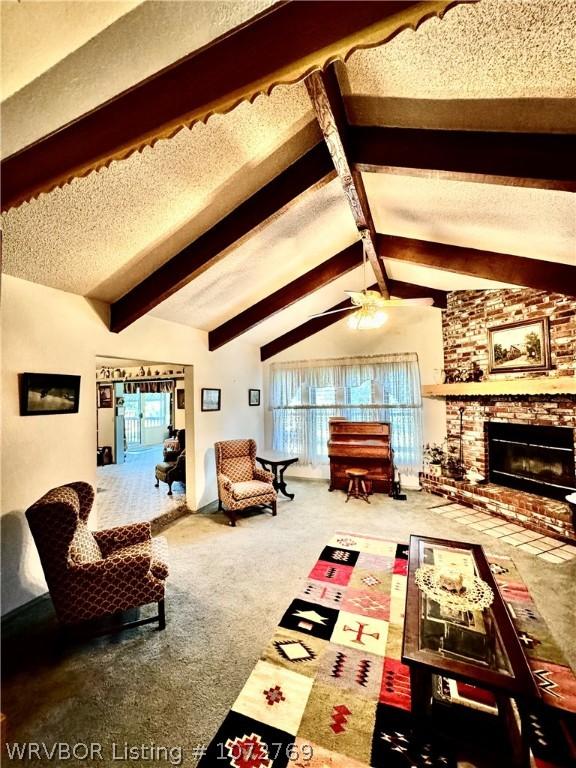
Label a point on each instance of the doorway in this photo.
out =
(139, 405)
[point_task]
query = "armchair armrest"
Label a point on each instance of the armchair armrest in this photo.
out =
(263, 475)
(224, 481)
(112, 539)
(119, 566)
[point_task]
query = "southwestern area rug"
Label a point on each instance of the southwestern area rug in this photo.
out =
(330, 690)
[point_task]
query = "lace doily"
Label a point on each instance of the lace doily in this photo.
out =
(475, 596)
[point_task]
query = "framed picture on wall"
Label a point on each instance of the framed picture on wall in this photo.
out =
(45, 393)
(253, 397)
(180, 399)
(520, 346)
(104, 396)
(210, 399)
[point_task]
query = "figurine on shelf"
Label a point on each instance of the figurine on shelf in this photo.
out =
(141, 372)
(475, 373)
(148, 372)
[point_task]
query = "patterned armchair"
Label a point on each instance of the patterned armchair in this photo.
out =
(93, 574)
(241, 483)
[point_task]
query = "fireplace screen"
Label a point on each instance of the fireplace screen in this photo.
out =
(532, 458)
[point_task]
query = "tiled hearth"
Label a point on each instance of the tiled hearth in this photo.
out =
(545, 517)
(545, 547)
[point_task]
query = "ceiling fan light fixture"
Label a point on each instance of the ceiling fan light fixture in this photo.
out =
(367, 319)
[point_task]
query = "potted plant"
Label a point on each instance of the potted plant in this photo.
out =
(451, 464)
(433, 457)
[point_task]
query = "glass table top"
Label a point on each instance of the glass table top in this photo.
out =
(462, 633)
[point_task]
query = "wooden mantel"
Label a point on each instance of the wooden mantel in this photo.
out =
(545, 385)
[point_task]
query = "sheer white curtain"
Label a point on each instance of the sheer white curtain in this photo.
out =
(305, 394)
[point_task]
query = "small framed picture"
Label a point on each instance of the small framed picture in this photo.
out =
(105, 396)
(520, 346)
(253, 397)
(210, 399)
(180, 399)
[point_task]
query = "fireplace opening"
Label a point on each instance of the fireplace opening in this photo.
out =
(530, 458)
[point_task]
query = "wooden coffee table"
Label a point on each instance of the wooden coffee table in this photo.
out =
(479, 647)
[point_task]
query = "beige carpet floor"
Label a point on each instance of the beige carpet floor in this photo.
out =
(125, 493)
(227, 591)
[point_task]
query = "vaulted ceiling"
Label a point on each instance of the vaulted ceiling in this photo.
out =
(457, 138)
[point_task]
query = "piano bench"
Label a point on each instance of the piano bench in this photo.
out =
(357, 484)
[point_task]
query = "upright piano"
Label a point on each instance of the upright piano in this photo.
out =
(361, 444)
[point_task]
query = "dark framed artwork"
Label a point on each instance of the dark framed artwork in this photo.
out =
(210, 399)
(253, 397)
(46, 393)
(180, 399)
(520, 346)
(104, 396)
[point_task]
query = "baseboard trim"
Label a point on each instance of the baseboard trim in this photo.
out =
(15, 613)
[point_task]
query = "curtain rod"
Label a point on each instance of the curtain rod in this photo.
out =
(408, 357)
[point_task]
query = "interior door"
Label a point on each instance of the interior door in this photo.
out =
(155, 417)
(132, 418)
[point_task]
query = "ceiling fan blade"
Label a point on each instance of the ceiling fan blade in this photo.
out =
(358, 298)
(332, 312)
(424, 302)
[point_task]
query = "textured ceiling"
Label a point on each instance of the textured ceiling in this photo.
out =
(152, 36)
(316, 227)
(507, 65)
(48, 32)
(490, 49)
(540, 224)
(102, 234)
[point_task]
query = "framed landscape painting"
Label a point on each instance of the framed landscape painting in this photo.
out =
(521, 346)
(253, 397)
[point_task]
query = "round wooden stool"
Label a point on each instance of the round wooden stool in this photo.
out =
(357, 484)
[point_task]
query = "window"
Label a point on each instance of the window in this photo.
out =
(304, 395)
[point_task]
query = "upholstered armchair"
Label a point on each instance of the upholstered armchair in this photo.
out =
(171, 471)
(91, 574)
(241, 484)
(174, 446)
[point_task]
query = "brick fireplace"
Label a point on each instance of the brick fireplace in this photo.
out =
(465, 323)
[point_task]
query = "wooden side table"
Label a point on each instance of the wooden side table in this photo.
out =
(277, 464)
(357, 484)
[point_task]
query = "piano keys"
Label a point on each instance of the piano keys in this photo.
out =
(362, 444)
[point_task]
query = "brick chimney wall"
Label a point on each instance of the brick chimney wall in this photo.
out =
(466, 321)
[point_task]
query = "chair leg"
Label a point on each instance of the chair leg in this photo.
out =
(169, 489)
(231, 515)
(220, 507)
(273, 507)
(161, 615)
(157, 483)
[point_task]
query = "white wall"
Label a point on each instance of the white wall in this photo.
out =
(45, 330)
(409, 329)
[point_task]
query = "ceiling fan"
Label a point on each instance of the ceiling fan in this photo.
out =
(368, 305)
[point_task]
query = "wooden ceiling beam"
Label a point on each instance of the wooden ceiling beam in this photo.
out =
(326, 98)
(514, 159)
(302, 286)
(316, 324)
(283, 44)
(542, 275)
(308, 172)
